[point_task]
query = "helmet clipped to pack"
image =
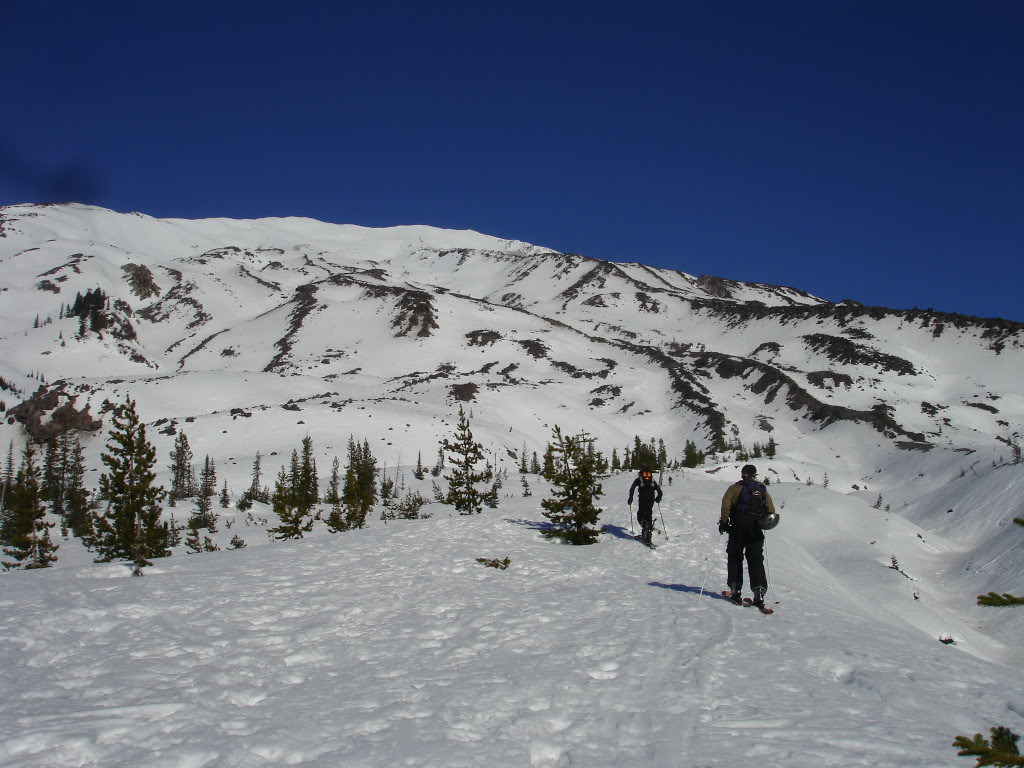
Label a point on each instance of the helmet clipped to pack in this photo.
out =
(769, 521)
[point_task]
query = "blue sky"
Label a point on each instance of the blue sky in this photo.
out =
(854, 149)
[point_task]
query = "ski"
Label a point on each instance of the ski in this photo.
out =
(747, 603)
(764, 609)
(649, 546)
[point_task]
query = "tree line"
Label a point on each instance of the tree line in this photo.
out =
(124, 518)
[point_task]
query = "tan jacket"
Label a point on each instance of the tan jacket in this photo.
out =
(733, 495)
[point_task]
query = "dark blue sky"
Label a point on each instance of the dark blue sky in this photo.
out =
(851, 148)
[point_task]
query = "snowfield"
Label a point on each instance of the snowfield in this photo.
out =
(393, 646)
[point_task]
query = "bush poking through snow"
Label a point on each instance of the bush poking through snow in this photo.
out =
(501, 565)
(1001, 751)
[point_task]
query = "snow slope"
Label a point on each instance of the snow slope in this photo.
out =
(393, 646)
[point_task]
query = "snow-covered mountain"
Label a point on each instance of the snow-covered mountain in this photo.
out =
(392, 646)
(216, 320)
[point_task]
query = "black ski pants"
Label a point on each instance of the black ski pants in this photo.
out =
(645, 516)
(746, 541)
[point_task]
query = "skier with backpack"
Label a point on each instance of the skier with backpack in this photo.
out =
(648, 494)
(747, 512)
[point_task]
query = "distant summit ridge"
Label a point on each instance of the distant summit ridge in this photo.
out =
(382, 320)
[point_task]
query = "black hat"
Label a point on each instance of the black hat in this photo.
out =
(749, 471)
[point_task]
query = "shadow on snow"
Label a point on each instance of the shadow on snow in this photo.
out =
(685, 588)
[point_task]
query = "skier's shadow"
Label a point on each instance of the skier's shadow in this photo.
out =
(692, 590)
(533, 524)
(618, 532)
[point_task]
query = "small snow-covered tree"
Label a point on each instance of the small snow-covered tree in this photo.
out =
(464, 454)
(574, 478)
(130, 528)
(294, 520)
(1000, 751)
(26, 530)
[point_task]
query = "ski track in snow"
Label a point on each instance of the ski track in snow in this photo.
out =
(393, 647)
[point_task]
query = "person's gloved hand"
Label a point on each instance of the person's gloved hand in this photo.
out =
(723, 526)
(630, 502)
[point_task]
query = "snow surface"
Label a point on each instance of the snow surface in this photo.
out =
(392, 646)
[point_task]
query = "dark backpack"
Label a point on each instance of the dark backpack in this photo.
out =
(752, 499)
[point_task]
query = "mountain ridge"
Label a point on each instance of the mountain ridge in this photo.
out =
(388, 317)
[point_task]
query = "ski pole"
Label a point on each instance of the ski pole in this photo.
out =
(631, 519)
(703, 583)
(662, 520)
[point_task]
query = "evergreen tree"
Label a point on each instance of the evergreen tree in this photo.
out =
(333, 495)
(534, 465)
(419, 473)
(526, 486)
(770, 447)
(994, 598)
(130, 528)
(294, 520)
(194, 545)
(307, 491)
(574, 480)
(51, 483)
(662, 454)
(8, 476)
(27, 532)
(77, 514)
(439, 464)
(336, 521)
(1001, 751)
(548, 465)
(464, 453)
(616, 464)
(204, 516)
(645, 456)
(523, 466)
(359, 491)
(225, 496)
(183, 474)
(256, 487)
(691, 456)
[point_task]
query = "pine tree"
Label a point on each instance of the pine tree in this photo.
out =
(534, 465)
(8, 477)
(26, 530)
(439, 464)
(204, 516)
(464, 453)
(691, 456)
(307, 491)
(294, 520)
(336, 517)
(548, 464)
(183, 474)
(994, 599)
(130, 528)
(616, 464)
(662, 454)
(333, 495)
(359, 491)
(526, 486)
(256, 487)
(419, 473)
(225, 495)
(76, 502)
(770, 448)
(574, 480)
(1001, 751)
